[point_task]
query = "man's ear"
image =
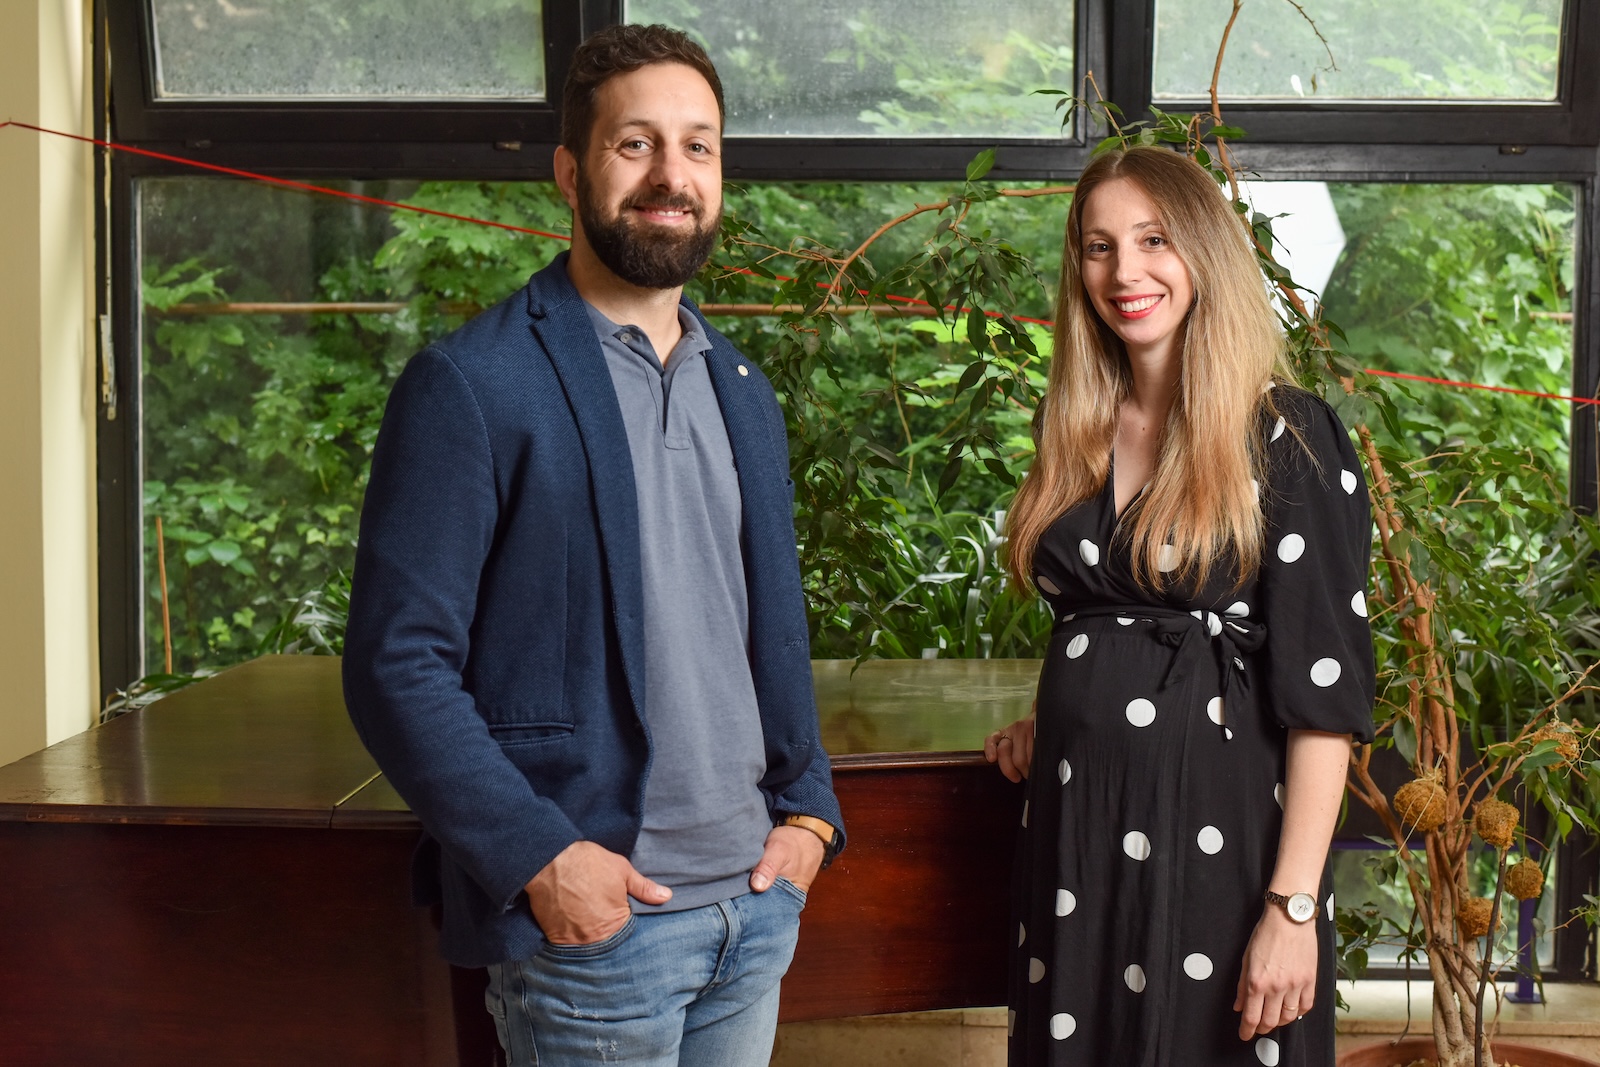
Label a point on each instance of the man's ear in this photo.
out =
(566, 168)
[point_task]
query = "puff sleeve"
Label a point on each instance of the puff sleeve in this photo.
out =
(1319, 668)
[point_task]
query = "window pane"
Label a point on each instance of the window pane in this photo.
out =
(891, 68)
(275, 322)
(1422, 50)
(1470, 283)
(330, 49)
(1361, 881)
(274, 325)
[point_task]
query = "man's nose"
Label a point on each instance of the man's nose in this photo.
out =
(668, 171)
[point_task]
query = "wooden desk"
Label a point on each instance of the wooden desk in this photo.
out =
(222, 879)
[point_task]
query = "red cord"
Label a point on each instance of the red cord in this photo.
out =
(323, 190)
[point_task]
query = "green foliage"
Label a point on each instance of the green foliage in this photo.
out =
(864, 67)
(1375, 49)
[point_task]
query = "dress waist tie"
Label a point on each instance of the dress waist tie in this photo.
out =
(1186, 633)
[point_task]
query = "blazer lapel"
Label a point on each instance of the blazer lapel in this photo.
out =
(562, 326)
(762, 470)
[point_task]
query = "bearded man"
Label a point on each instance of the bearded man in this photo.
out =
(577, 642)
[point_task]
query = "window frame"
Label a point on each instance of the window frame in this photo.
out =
(496, 141)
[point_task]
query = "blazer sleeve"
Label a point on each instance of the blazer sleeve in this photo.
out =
(426, 529)
(812, 792)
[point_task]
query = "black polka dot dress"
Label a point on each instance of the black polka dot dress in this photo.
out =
(1154, 805)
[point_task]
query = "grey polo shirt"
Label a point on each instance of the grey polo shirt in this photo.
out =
(705, 819)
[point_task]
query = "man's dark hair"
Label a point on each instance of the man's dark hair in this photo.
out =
(622, 50)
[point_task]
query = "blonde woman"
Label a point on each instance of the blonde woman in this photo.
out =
(1200, 529)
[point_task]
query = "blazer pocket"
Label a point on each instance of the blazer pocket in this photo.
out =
(509, 735)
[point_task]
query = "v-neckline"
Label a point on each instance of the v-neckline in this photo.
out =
(1111, 483)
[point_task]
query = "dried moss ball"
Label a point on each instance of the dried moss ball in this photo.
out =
(1496, 822)
(1420, 803)
(1473, 916)
(1566, 740)
(1524, 880)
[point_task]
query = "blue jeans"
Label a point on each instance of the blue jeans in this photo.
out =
(696, 988)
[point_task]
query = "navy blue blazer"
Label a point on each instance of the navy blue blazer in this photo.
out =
(494, 658)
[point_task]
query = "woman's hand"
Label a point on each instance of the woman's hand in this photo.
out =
(1278, 982)
(1012, 747)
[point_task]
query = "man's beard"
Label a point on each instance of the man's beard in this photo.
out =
(664, 259)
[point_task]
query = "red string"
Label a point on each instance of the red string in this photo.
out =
(284, 182)
(1478, 385)
(397, 205)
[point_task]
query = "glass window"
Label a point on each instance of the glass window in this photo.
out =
(1365, 878)
(1466, 282)
(1375, 50)
(333, 49)
(892, 68)
(274, 325)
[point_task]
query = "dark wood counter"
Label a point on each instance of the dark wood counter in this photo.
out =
(222, 878)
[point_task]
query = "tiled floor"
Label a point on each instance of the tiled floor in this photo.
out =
(1569, 1022)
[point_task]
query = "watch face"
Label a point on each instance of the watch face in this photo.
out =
(1301, 907)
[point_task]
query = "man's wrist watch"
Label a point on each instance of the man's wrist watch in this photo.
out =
(1300, 907)
(826, 831)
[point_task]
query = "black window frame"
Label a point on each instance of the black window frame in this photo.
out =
(496, 141)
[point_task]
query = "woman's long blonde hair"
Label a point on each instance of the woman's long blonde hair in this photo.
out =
(1202, 498)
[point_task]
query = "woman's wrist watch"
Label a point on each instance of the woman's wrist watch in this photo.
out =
(825, 831)
(1300, 907)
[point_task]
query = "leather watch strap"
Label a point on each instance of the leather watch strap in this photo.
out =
(824, 830)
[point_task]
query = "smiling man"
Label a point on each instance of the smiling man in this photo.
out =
(577, 641)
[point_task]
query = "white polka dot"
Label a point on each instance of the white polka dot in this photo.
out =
(1166, 558)
(1330, 907)
(1047, 585)
(1239, 663)
(1066, 903)
(1024, 814)
(744, 372)
(1197, 965)
(1035, 970)
(1227, 734)
(1348, 480)
(1213, 624)
(1136, 845)
(1124, 621)
(1277, 429)
(1291, 548)
(1358, 604)
(1062, 1025)
(1267, 1052)
(1022, 933)
(1255, 487)
(1011, 1022)
(1065, 772)
(1237, 610)
(1089, 551)
(1141, 712)
(1325, 672)
(1134, 976)
(1076, 646)
(1214, 710)
(1209, 840)
(1277, 794)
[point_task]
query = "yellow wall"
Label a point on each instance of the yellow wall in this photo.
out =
(48, 382)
